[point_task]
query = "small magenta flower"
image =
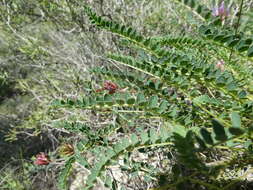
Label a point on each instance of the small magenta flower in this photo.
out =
(221, 11)
(42, 159)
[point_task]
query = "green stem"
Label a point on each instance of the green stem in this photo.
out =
(237, 25)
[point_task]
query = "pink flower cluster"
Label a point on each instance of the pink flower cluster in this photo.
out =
(221, 11)
(110, 86)
(42, 159)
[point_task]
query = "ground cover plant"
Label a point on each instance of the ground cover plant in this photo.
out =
(164, 109)
(190, 92)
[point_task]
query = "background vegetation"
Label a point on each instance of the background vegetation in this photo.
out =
(49, 50)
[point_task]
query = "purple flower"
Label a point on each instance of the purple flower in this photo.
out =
(221, 11)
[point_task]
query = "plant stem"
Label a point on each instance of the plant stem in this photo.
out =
(237, 25)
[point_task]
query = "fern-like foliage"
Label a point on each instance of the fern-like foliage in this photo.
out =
(239, 42)
(198, 9)
(200, 105)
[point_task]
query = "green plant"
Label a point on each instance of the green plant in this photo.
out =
(6, 85)
(188, 89)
